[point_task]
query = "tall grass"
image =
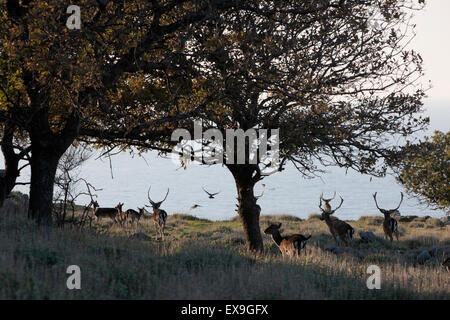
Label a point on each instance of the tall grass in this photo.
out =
(201, 259)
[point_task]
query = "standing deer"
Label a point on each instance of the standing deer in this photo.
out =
(159, 216)
(122, 217)
(288, 245)
(337, 227)
(390, 225)
(135, 215)
(99, 213)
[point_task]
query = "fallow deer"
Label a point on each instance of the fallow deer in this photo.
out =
(159, 216)
(390, 225)
(135, 215)
(99, 213)
(289, 245)
(338, 228)
(122, 217)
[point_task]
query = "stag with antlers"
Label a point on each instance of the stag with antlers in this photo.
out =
(390, 225)
(338, 228)
(159, 215)
(288, 245)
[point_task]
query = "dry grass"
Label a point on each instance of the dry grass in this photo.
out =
(201, 259)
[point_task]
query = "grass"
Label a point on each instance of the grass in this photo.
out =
(202, 259)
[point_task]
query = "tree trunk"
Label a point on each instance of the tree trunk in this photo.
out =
(44, 163)
(47, 148)
(11, 160)
(248, 209)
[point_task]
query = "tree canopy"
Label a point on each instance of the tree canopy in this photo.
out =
(425, 170)
(337, 85)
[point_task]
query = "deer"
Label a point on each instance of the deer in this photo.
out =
(289, 245)
(99, 213)
(135, 215)
(159, 216)
(122, 217)
(390, 225)
(338, 228)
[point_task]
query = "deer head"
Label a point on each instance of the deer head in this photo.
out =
(156, 205)
(391, 211)
(326, 208)
(272, 228)
(119, 206)
(95, 204)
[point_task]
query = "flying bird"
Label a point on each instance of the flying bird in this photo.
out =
(194, 206)
(211, 195)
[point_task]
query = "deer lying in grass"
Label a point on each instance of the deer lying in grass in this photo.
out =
(99, 213)
(390, 225)
(338, 228)
(159, 216)
(288, 245)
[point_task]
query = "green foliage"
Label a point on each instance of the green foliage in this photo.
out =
(425, 171)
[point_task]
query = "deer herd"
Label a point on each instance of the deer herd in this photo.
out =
(131, 216)
(293, 244)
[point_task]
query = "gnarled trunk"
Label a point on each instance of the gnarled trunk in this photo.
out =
(11, 159)
(47, 148)
(248, 209)
(44, 163)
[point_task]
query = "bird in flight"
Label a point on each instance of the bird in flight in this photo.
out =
(211, 195)
(194, 206)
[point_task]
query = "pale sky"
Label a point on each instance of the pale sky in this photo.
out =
(433, 43)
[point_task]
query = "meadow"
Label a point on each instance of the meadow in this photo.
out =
(203, 259)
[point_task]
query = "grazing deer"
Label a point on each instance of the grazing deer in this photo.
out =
(337, 227)
(390, 225)
(289, 245)
(99, 213)
(159, 216)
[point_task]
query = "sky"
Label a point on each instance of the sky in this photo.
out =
(433, 43)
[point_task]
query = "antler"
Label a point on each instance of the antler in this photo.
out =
(384, 210)
(401, 200)
(156, 203)
(264, 189)
(148, 195)
(376, 203)
(165, 196)
(340, 204)
(328, 200)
